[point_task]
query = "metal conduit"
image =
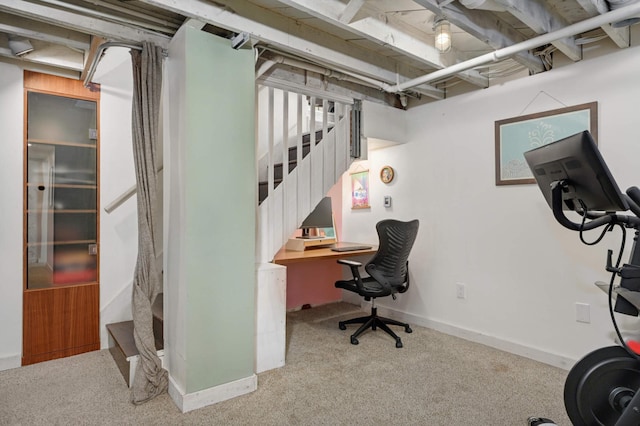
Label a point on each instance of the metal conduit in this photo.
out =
(98, 55)
(339, 75)
(571, 30)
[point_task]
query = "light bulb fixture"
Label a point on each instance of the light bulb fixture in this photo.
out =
(442, 33)
(19, 45)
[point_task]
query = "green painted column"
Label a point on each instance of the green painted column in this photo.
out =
(210, 199)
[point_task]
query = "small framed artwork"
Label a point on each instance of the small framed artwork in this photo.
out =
(360, 190)
(386, 174)
(515, 136)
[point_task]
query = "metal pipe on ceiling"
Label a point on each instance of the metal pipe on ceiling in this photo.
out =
(98, 56)
(505, 52)
(338, 75)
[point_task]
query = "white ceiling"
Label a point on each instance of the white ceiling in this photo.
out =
(378, 48)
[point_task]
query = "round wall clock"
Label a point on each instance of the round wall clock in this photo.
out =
(386, 174)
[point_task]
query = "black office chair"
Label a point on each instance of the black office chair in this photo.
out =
(388, 274)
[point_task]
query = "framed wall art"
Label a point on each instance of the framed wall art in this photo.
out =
(386, 174)
(360, 190)
(514, 136)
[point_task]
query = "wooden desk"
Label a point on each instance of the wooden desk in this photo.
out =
(287, 257)
(311, 274)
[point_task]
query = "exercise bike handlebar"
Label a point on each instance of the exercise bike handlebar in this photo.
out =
(597, 219)
(633, 199)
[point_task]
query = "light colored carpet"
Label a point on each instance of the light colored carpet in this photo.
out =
(435, 379)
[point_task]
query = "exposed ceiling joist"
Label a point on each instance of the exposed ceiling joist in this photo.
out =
(161, 23)
(620, 36)
(379, 46)
(577, 28)
(543, 20)
(487, 27)
(350, 10)
(40, 67)
(74, 21)
(292, 36)
(35, 30)
(384, 30)
(372, 28)
(91, 56)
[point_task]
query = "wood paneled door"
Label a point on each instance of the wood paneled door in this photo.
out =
(61, 300)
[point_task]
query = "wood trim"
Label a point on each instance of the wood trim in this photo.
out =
(96, 41)
(45, 83)
(25, 199)
(98, 183)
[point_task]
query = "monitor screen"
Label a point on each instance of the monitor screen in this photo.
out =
(576, 160)
(320, 217)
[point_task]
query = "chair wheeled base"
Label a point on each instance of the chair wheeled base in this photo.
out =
(373, 321)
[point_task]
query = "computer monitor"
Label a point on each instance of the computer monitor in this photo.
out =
(576, 160)
(320, 217)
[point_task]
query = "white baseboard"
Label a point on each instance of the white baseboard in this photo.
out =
(7, 363)
(475, 336)
(195, 400)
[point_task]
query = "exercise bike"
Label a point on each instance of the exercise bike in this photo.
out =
(603, 388)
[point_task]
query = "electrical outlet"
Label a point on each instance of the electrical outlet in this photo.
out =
(582, 313)
(461, 291)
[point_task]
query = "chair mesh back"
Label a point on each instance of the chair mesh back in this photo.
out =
(396, 240)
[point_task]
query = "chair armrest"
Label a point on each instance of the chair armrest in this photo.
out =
(353, 265)
(349, 262)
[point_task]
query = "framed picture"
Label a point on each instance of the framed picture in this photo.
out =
(514, 136)
(386, 174)
(360, 190)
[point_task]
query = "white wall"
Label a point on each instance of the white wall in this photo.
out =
(118, 229)
(523, 272)
(11, 153)
(383, 124)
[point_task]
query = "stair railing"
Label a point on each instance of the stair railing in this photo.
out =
(307, 177)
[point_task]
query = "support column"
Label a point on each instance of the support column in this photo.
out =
(209, 207)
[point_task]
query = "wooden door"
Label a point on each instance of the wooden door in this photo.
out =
(61, 306)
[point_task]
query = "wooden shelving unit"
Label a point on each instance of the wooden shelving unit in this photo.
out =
(61, 299)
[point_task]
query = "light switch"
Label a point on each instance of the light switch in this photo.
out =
(387, 201)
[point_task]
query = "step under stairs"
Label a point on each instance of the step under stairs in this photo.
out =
(122, 345)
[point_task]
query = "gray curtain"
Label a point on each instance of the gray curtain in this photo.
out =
(150, 378)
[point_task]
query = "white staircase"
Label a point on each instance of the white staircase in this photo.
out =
(307, 144)
(303, 149)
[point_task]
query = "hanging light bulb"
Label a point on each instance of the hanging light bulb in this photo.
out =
(442, 32)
